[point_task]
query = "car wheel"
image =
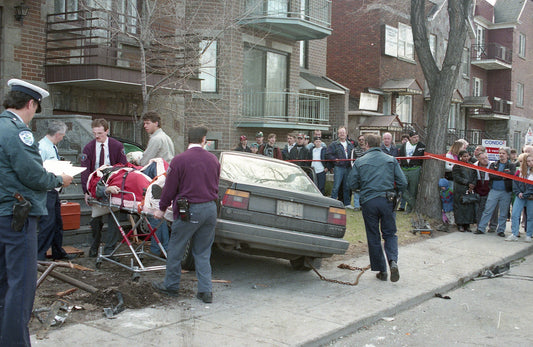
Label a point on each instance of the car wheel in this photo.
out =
(303, 263)
(187, 262)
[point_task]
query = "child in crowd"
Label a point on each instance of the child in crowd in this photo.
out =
(446, 198)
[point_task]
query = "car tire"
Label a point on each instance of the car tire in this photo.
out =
(302, 263)
(187, 262)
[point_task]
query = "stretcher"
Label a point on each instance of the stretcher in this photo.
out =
(142, 230)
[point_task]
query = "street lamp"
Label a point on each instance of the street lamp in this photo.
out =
(21, 11)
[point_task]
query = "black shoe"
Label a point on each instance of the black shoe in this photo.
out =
(382, 276)
(67, 257)
(394, 273)
(501, 234)
(492, 230)
(206, 297)
(478, 232)
(160, 287)
(93, 253)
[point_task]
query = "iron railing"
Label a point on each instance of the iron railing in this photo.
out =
(286, 106)
(492, 51)
(317, 11)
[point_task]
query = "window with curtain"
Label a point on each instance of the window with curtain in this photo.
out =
(522, 45)
(265, 82)
(405, 42)
(519, 94)
(404, 107)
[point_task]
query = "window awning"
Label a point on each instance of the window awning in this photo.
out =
(457, 97)
(407, 86)
(476, 102)
(388, 123)
(319, 84)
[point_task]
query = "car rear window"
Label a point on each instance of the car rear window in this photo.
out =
(268, 173)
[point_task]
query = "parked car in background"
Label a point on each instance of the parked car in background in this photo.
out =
(272, 208)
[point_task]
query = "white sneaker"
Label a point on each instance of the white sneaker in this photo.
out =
(511, 237)
(349, 207)
(528, 239)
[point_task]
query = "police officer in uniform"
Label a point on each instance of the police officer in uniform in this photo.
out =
(21, 171)
(378, 176)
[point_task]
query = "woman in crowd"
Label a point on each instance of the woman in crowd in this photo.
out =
(464, 180)
(452, 154)
(524, 198)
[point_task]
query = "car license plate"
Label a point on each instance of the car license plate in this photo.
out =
(290, 209)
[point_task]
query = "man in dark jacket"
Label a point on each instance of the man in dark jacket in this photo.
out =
(340, 150)
(270, 149)
(411, 167)
(500, 193)
(300, 152)
(387, 146)
(378, 176)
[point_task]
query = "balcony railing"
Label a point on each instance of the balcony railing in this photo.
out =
(91, 44)
(491, 51)
(285, 106)
(501, 106)
(288, 19)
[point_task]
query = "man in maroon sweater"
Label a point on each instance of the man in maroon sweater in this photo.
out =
(192, 175)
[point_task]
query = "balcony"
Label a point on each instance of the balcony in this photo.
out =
(493, 108)
(285, 110)
(84, 49)
(492, 56)
(281, 18)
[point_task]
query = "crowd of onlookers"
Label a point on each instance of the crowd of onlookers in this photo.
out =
(469, 197)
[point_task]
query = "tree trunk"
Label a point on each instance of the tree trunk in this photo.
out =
(441, 83)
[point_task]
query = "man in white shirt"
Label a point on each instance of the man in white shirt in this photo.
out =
(51, 225)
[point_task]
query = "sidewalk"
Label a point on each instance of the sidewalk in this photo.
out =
(277, 306)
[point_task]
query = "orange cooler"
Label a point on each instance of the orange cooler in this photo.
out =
(70, 212)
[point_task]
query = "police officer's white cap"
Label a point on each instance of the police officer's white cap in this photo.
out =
(35, 92)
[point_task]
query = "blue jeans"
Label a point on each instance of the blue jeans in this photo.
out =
(161, 232)
(340, 176)
(201, 230)
(500, 198)
(356, 203)
(378, 214)
(18, 280)
(321, 181)
(518, 207)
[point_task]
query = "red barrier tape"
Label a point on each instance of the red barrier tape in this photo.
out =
(442, 157)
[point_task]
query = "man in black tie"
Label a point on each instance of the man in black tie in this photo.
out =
(51, 225)
(109, 152)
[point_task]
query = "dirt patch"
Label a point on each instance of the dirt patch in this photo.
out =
(110, 279)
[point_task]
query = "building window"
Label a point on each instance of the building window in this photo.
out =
(522, 45)
(265, 83)
(519, 94)
(65, 8)
(404, 108)
(405, 42)
(466, 63)
(208, 66)
(478, 87)
(452, 117)
(127, 18)
(480, 41)
(304, 54)
(517, 139)
(433, 45)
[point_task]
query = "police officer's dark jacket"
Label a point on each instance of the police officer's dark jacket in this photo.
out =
(376, 173)
(21, 167)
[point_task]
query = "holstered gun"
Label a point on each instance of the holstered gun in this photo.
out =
(21, 210)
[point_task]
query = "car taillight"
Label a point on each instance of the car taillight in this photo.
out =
(236, 198)
(337, 216)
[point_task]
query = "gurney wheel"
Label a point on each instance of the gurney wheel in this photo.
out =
(135, 277)
(98, 264)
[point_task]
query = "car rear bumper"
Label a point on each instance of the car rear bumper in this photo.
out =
(278, 240)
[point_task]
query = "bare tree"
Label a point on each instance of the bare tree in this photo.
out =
(441, 83)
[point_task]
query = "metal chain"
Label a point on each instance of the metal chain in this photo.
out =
(342, 266)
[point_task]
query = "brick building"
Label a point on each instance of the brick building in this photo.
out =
(501, 70)
(371, 52)
(236, 66)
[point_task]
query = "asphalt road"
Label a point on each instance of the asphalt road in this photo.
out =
(486, 312)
